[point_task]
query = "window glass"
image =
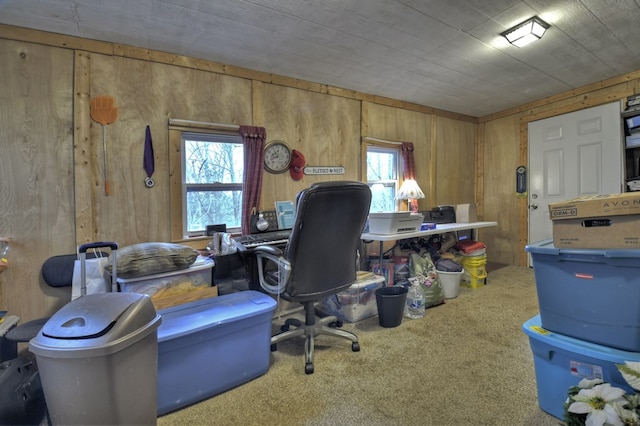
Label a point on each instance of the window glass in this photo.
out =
(213, 167)
(382, 177)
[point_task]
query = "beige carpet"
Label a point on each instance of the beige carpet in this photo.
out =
(467, 362)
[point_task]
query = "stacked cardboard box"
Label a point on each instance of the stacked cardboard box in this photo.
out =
(597, 221)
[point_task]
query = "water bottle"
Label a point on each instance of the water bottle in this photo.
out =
(415, 301)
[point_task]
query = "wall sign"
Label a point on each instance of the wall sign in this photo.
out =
(325, 170)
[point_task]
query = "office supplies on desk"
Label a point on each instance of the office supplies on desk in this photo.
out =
(394, 222)
(440, 214)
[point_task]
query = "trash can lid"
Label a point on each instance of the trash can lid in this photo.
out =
(90, 316)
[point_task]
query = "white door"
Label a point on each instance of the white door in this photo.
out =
(574, 154)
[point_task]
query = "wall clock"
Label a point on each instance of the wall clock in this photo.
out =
(277, 157)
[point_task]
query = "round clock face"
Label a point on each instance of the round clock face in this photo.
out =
(277, 157)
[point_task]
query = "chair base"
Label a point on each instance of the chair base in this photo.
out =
(311, 328)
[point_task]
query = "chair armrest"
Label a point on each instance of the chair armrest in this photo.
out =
(273, 283)
(268, 249)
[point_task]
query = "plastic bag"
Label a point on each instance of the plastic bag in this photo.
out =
(222, 244)
(96, 279)
(423, 270)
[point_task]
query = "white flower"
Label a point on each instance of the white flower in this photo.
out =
(589, 383)
(628, 417)
(599, 404)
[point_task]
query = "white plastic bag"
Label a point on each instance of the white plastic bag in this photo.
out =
(96, 278)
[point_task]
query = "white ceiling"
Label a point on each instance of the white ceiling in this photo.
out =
(445, 54)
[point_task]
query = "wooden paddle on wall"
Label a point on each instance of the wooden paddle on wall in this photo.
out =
(104, 112)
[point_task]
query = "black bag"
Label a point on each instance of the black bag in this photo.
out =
(21, 395)
(448, 265)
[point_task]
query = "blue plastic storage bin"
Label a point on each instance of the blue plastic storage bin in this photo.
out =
(589, 294)
(209, 346)
(561, 362)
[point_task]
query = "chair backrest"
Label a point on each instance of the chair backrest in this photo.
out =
(57, 271)
(325, 238)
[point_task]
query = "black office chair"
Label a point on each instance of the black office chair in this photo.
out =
(320, 258)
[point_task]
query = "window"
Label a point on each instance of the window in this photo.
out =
(382, 177)
(212, 173)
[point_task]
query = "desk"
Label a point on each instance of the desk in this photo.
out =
(441, 228)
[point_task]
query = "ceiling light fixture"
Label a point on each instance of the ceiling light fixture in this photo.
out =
(526, 32)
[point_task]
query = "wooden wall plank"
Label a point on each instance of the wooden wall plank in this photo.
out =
(36, 171)
(83, 165)
(324, 128)
(402, 125)
(149, 93)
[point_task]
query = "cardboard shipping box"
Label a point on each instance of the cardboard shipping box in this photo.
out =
(597, 221)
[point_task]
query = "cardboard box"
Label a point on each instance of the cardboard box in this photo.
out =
(561, 362)
(597, 221)
(589, 294)
(466, 213)
(210, 346)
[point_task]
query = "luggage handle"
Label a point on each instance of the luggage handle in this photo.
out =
(83, 253)
(98, 244)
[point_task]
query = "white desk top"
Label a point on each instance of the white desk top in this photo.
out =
(441, 228)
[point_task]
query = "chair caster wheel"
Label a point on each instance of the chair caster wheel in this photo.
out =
(284, 327)
(308, 368)
(274, 347)
(355, 347)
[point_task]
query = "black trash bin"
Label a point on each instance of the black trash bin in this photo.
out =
(391, 302)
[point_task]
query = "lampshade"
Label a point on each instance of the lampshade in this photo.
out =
(527, 32)
(409, 190)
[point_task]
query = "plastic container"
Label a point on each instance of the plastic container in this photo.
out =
(450, 282)
(355, 303)
(97, 358)
(561, 362)
(475, 272)
(164, 287)
(589, 294)
(209, 346)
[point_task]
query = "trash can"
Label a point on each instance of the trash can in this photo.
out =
(391, 302)
(98, 360)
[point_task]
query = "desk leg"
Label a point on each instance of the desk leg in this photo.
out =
(381, 259)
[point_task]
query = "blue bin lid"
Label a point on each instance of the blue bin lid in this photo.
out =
(547, 247)
(193, 317)
(533, 328)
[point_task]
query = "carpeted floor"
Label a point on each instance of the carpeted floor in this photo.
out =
(467, 362)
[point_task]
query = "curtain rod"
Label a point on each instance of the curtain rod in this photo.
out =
(202, 124)
(369, 139)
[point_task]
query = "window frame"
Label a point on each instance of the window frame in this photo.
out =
(384, 147)
(176, 128)
(212, 137)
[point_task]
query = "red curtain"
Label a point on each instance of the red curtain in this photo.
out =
(409, 169)
(254, 139)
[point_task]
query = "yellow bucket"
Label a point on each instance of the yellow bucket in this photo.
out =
(475, 272)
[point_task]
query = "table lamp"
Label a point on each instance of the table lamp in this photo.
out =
(409, 190)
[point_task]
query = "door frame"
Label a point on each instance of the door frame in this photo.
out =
(523, 203)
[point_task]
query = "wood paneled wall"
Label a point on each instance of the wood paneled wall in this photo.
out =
(51, 152)
(502, 139)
